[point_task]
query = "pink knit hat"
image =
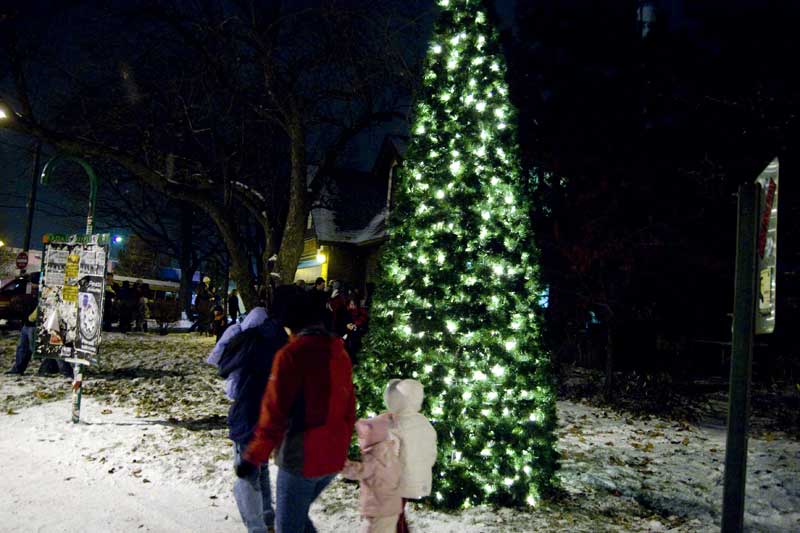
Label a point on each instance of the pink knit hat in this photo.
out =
(374, 430)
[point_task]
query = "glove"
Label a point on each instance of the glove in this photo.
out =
(245, 469)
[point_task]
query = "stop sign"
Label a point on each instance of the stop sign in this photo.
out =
(22, 260)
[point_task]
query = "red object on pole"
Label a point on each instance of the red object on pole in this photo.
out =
(22, 260)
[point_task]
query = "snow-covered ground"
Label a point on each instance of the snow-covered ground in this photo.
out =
(151, 455)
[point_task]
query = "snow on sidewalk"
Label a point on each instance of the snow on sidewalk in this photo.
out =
(53, 481)
(116, 472)
(152, 455)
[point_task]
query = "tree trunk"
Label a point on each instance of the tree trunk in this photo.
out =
(185, 296)
(241, 273)
(291, 245)
(240, 264)
(227, 284)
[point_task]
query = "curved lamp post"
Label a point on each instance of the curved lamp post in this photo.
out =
(55, 162)
(48, 169)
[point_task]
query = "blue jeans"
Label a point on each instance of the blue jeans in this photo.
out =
(24, 349)
(295, 496)
(253, 496)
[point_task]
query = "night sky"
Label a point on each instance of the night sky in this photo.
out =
(16, 152)
(56, 32)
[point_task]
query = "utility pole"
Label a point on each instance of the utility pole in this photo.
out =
(26, 247)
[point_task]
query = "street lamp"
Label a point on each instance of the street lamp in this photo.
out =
(118, 239)
(5, 111)
(2, 244)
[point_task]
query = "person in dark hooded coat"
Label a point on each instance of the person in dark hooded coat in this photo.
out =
(244, 357)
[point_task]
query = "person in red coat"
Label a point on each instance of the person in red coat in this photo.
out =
(307, 417)
(337, 306)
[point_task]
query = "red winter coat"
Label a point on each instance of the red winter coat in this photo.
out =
(339, 314)
(308, 409)
(359, 317)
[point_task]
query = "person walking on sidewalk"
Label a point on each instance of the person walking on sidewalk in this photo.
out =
(403, 399)
(233, 305)
(25, 344)
(307, 415)
(202, 305)
(378, 473)
(25, 352)
(244, 356)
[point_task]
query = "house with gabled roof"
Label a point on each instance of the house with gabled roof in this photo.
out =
(347, 223)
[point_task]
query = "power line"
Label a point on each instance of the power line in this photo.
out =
(43, 211)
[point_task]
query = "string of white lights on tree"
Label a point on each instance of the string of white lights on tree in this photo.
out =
(456, 306)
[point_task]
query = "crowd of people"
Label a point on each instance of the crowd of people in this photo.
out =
(343, 312)
(290, 377)
(212, 316)
(127, 304)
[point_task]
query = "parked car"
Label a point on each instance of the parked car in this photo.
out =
(18, 298)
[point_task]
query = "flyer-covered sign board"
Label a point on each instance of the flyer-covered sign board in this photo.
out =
(70, 312)
(767, 247)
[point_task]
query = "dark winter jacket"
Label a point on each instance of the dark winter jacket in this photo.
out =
(218, 327)
(251, 352)
(233, 306)
(319, 302)
(308, 410)
(202, 301)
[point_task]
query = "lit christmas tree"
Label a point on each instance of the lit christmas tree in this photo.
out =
(457, 305)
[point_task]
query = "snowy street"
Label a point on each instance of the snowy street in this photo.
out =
(151, 455)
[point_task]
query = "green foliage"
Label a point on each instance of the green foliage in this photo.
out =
(457, 307)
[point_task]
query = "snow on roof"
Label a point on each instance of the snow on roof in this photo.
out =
(350, 204)
(327, 230)
(351, 207)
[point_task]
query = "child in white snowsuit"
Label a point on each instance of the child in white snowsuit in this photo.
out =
(403, 398)
(379, 473)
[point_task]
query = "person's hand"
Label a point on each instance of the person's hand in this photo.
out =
(245, 469)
